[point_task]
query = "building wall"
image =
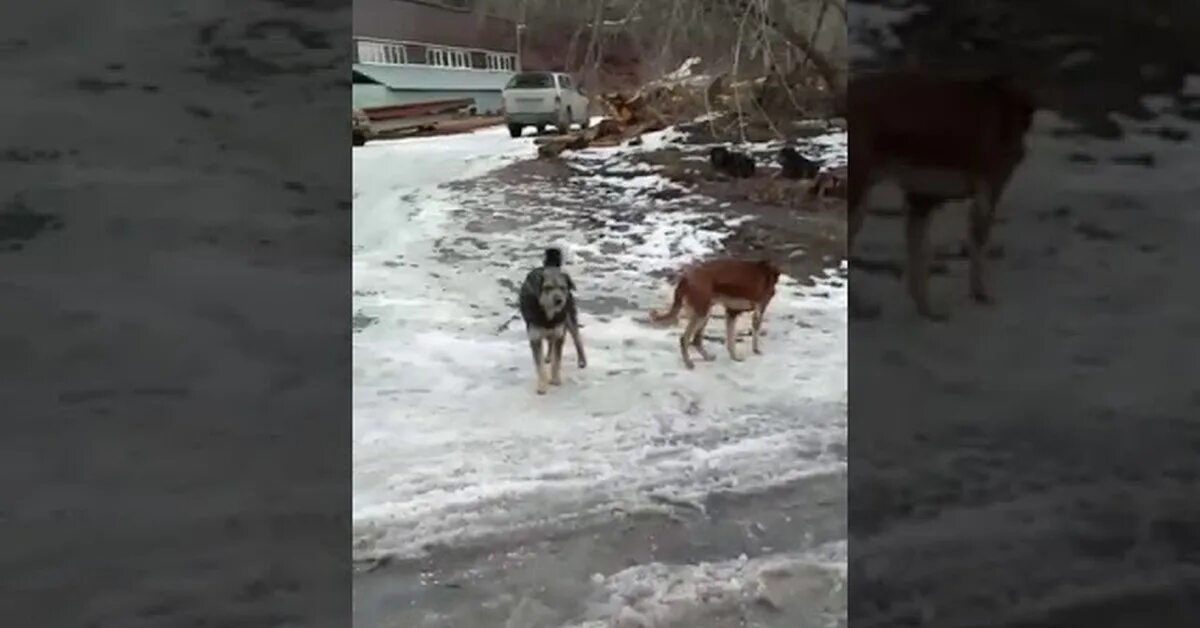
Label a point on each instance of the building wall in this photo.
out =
(367, 95)
(432, 22)
(420, 50)
(376, 85)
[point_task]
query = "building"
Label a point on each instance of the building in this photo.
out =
(409, 51)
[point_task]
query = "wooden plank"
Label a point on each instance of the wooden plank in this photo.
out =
(427, 108)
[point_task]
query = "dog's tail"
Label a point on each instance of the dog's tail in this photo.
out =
(672, 314)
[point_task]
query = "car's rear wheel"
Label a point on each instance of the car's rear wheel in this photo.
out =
(541, 129)
(514, 130)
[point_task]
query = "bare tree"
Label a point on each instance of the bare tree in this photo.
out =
(770, 60)
(718, 31)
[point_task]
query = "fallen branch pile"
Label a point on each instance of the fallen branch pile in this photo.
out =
(756, 109)
(652, 108)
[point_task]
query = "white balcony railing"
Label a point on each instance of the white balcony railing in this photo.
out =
(397, 53)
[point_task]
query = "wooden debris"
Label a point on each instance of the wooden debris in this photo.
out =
(553, 147)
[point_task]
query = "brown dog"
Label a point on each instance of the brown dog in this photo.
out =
(738, 285)
(940, 139)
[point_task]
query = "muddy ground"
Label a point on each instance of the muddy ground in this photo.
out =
(805, 236)
(549, 581)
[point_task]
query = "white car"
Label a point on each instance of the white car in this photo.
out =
(542, 99)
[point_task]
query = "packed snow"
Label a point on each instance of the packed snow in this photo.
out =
(452, 445)
(810, 585)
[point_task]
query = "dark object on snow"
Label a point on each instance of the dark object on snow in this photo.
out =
(797, 166)
(735, 164)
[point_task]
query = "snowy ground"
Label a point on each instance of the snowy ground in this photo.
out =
(452, 447)
(1032, 461)
(174, 343)
(1025, 431)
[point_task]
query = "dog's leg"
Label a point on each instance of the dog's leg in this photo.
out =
(756, 319)
(578, 342)
(685, 340)
(916, 231)
(698, 340)
(983, 212)
(557, 340)
(535, 347)
(691, 336)
(573, 327)
(731, 334)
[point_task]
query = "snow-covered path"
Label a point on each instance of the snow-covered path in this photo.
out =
(451, 445)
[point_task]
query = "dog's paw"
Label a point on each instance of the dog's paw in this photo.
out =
(689, 365)
(556, 381)
(737, 358)
(582, 363)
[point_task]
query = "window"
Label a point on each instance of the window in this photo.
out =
(370, 52)
(531, 80)
(417, 54)
(564, 81)
(446, 58)
(400, 53)
(381, 53)
(499, 61)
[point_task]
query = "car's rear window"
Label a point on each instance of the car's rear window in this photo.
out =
(531, 80)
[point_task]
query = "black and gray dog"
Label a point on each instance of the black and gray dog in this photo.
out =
(793, 165)
(547, 303)
(735, 164)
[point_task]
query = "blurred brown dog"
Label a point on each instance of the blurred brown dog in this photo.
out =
(940, 139)
(738, 285)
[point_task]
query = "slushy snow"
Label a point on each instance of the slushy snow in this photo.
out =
(452, 445)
